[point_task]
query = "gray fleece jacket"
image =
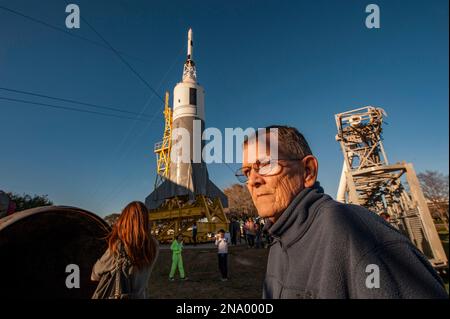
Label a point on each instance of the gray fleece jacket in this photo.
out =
(139, 278)
(326, 249)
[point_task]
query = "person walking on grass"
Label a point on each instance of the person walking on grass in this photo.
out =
(258, 235)
(233, 230)
(177, 260)
(241, 230)
(250, 232)
(236, 227)
(194, 233)
(222, 253)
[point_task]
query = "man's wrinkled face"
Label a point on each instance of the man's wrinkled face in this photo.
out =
(271, 194)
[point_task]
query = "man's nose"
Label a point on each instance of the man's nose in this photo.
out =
(254, 179)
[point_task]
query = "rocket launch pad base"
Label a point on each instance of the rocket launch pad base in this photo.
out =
(177, 215)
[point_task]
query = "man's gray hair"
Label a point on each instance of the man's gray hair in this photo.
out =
(291, 142)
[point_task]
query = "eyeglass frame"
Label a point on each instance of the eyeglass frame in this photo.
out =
(252, 167)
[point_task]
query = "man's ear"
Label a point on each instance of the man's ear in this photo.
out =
(311, 167)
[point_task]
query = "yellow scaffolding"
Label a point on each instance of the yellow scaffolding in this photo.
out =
(176, 217)
(162, 149)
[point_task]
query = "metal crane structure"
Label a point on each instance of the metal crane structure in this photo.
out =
(390, 190)
(162, 149)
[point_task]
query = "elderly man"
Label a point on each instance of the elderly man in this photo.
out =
(323, 248)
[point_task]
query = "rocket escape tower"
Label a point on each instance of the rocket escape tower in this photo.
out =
(369, 180)
(183, 192)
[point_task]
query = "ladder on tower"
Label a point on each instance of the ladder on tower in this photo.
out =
(369, 180)
(162, 149)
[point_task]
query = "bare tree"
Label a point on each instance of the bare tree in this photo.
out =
(435, 189)
(239, 200)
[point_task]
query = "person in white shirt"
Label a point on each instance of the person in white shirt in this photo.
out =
(222, 253)
(228, 237)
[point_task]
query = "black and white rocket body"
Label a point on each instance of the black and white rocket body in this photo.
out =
(187, 178)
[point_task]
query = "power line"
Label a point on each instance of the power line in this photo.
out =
(116, 153)
(155, 93)
(107, 46)
(48, 25)
(67, 108)
(74, 101)
(146, 105)
(123, 60)
(230, 168)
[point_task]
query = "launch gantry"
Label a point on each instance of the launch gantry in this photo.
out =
(369, 180)
(163, 148)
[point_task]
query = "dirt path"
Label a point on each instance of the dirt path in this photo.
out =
(246, 274)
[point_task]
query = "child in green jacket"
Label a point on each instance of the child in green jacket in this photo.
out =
(177, 261)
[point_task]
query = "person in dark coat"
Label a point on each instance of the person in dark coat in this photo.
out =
(194, 233)
(235, 230)
(322, 248)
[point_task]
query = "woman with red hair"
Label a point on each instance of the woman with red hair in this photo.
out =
(124, 269)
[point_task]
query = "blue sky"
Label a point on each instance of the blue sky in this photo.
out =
(261, 63)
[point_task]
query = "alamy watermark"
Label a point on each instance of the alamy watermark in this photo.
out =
(373, 19)
(73, 279)
(373, 279)
(211, 146)
(73, 19)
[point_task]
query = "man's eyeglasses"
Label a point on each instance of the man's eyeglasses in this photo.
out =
(265, 168)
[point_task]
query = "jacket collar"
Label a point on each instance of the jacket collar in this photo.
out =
(295, 220)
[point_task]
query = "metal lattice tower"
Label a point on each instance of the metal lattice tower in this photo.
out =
(369, 180)
(162, 149)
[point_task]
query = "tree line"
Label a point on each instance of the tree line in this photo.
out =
(435, 187)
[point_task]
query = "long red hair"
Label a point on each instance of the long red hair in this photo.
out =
(132, 229)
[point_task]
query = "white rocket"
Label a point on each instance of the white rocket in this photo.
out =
(187, 178)
(188, 96)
